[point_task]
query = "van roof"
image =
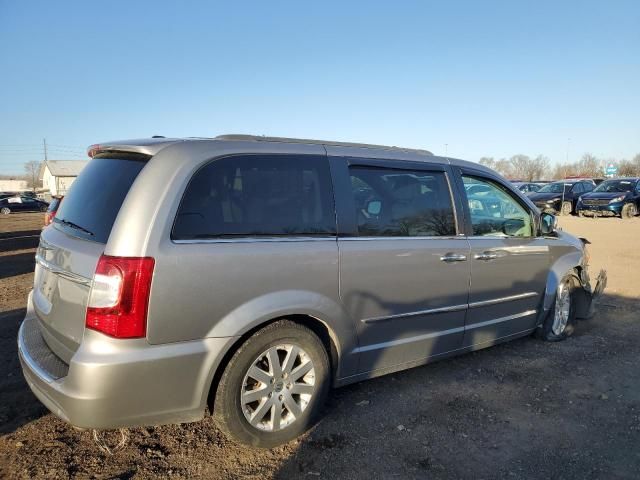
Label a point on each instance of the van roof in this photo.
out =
(151, 146)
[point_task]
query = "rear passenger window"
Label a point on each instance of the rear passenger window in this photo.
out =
(402, 202)
(253, 195)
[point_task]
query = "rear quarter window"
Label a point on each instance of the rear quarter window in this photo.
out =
(258, 195)
(90, 208)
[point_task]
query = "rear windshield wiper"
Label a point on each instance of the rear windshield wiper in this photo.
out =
(75, 225)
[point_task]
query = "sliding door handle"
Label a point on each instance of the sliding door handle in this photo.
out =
(453, 257)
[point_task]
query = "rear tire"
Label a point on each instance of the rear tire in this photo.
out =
(5, 210)
(277, 407)
(560, 321)
(566, 208)
(44, 208)
(628, 211)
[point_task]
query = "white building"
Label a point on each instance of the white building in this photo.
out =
(13, 185)
(58, 175)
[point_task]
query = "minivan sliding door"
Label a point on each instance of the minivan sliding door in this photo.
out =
(404, 271)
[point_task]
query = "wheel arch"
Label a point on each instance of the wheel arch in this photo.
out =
(319, 327)
(569, 264)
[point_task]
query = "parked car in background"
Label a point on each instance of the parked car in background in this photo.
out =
(52, 210)
(22, 203)
(477, 189)
(247, 275)
(615, 197)
(527, 187)
(561, 197)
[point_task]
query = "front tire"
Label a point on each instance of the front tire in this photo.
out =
(560, 322)
(628, 211)
(566, 208)
(274, 386)
(5, 210)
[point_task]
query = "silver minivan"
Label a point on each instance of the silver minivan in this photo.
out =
(245, 276)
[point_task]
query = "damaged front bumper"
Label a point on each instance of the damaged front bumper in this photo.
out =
(585, 305)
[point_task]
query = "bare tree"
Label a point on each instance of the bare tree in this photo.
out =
(520, 166)
(589, 166)
(33, 173)
(564, 170)
(502, 166)
(540, 168)
(488, 162)
(629, 168)
(626, 168)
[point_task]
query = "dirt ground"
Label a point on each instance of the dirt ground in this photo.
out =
(526, 409)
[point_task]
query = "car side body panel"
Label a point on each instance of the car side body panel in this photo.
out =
(206, 295)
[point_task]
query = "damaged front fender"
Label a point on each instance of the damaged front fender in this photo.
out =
(574, 263)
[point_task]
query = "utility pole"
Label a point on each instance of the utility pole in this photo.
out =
(567, 158)
(446, 148)
(44, 143)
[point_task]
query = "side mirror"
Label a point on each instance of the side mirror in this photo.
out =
(548, 223)
(374, 207)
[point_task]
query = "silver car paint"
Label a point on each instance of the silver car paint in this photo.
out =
(207, 294)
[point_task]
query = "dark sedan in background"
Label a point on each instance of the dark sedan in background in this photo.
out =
(561, 197)
(22, 203)
(615, 197)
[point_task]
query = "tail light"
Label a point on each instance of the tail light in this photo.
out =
(120, 296)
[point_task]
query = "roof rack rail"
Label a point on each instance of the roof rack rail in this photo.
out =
(258, 138)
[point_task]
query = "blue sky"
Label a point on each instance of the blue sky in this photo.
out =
(488, 78)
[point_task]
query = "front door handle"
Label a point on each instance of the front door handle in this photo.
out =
(453, 257)
(485, 256)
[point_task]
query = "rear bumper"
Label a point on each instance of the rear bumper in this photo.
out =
(119, 383)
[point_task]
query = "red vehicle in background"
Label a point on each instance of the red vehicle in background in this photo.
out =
(52, 210)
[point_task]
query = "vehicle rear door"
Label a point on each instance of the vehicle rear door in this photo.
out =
(509, 263)
(71, 246)
(404, 270)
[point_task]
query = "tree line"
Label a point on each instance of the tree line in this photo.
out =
(523, 167)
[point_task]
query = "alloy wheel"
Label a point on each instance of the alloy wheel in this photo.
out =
(278, 387)
(562, 309)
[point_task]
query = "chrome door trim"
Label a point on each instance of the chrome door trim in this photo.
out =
(253, 240)
(73, 277)
(387, 238)
(502, 319)
(452, 308)
(402, 341)
(417, 338)
(510, 298)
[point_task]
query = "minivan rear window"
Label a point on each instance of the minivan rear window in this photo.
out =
(92, 204)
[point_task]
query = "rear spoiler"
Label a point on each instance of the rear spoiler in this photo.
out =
(147, 146)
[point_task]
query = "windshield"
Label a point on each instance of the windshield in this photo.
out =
(615, 186)
(555, 187)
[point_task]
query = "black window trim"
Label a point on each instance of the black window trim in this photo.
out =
(347, 224)
(255, 238)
